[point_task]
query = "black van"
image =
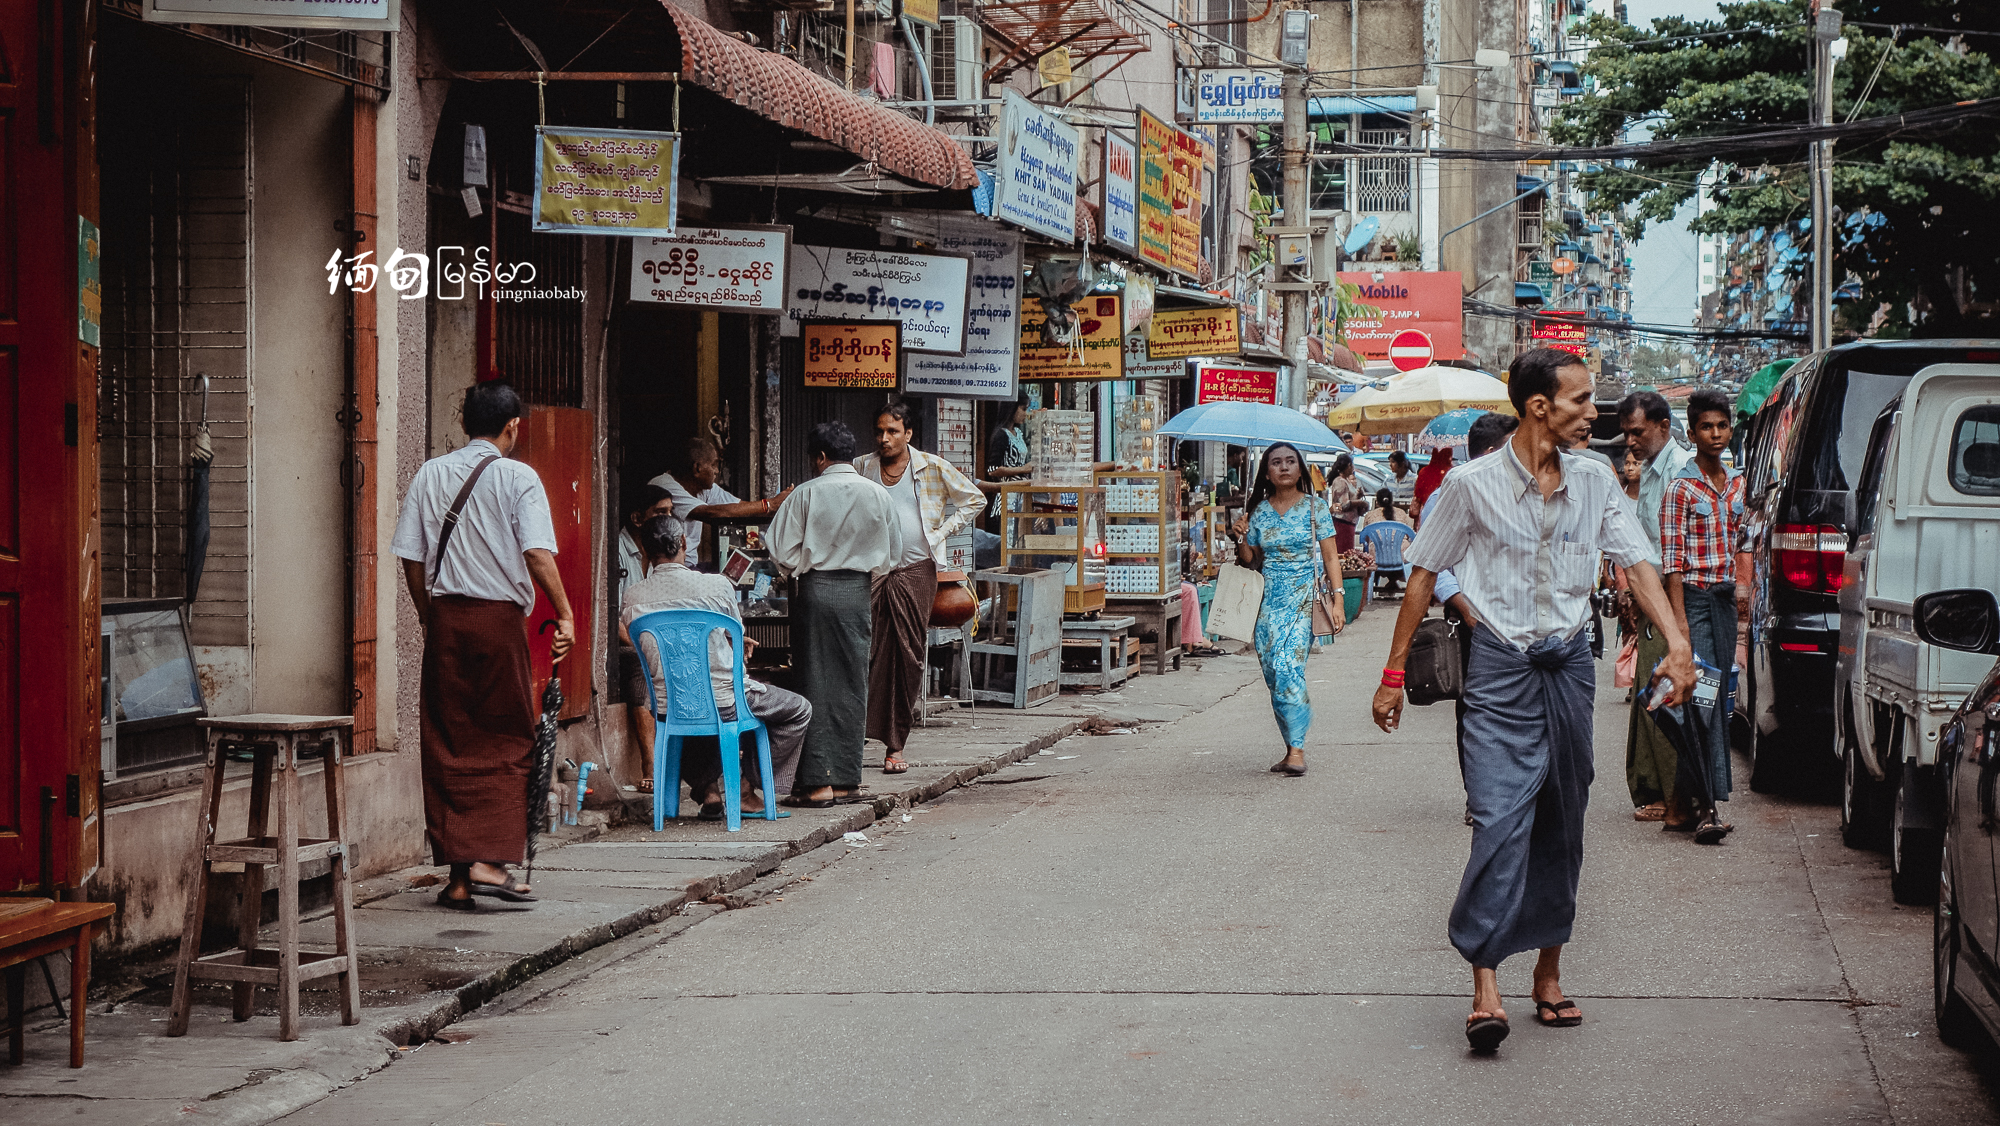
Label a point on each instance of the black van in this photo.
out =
(1803, 452)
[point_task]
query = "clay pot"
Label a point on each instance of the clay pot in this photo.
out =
(954, 604)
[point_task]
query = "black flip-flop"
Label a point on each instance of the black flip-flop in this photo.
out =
(710, 811)
(793, 801)
(509, 891)
(1552, 1008)
(445, 900)
(1711, 830)
(1486, 1033)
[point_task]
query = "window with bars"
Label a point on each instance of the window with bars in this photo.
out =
(538, 343)
(176, 192)
(1382, 183)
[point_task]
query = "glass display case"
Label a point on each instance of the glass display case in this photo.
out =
(1142, 533)
(1058, 529)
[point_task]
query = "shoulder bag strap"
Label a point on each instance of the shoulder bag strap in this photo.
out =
(457, 506)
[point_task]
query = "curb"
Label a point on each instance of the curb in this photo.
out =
(419, 1027)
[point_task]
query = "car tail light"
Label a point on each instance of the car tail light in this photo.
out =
(1810, 556)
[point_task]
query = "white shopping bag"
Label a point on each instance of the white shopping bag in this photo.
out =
(1239, 594)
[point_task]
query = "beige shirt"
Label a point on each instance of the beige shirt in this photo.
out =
(838, 521)
(947, 499)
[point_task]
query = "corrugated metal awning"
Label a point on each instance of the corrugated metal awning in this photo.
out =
(781, 90)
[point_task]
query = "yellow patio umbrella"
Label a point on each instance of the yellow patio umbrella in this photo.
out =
(1405, 402)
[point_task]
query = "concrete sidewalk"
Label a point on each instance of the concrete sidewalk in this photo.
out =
(600, 897)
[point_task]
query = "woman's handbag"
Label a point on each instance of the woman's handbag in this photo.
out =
(1435, 669)
(1628, 662)
(1239, 596)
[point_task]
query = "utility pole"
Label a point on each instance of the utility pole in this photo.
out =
(1825, 31)
(1294, 28)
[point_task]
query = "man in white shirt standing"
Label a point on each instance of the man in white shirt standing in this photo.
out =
(834, 535)
(1652, 765)
(476, 539)
(1522, 530)
(933, 501)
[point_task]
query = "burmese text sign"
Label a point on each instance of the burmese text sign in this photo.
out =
(606, 181)
(1139, 364)
(1432, 302)
(1242, 96)
(1217, 384)
(1156, 205)
(986, 371)
(1121, 192)
(1565, 333)
(1193, 332)
(929, 293)
(1038, 158)
(1097, 354)
(1185, 160)
(850, 355)
(740, 268)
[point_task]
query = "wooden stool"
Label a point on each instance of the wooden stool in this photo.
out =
(1158, 614)
(276, 740)
(1105, 636)
(31, 928)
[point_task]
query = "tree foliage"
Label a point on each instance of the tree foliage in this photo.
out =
(1935, 248)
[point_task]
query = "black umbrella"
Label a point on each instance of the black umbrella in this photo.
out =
(1687, 727)
(197, 506)
(542, 774)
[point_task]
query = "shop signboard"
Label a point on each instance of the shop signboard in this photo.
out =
(1037, 177)
(1156, 240)
(1098, 353)
(1432, 302)
(1205, 273)
(1565, 333)
(352, 15)
(741, 269)
(1184, 180)
(1215, 383)
(606, 181)
(1542, 274)
(1120, 205)
(850, 355)
(992, 331)
(1139, 363)
(1193, 332)
(1141, 293)
(1242, 96)
(929, 293)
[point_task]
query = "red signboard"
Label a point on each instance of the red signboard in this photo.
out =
(1561, 332)
(1410, 350)
(1431, 302)
(1235, 385)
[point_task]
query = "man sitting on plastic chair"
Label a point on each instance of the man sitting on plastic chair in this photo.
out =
(671, 585)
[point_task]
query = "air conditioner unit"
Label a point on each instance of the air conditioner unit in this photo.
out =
(959, 61)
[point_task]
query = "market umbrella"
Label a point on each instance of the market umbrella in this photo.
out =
(1252, 424)
(1449, 429)
(1759, 387)
(197, 507)
(541, 773)
(1406, 402)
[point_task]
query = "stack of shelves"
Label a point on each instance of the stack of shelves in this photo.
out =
(1057, 528)
(1142, 532)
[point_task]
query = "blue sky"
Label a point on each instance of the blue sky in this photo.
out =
(1663, 262)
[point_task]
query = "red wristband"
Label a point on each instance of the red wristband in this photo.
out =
(1392, 678)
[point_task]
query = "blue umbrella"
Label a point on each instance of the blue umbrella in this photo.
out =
(1252, 424)
(1448, 429)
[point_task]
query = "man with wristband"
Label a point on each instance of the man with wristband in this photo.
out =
(1522, 530)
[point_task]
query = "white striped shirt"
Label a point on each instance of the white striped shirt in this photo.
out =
(1527, 565)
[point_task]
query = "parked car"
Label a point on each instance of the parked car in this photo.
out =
(1965, 979)
(1804, 453)
(1926, 516)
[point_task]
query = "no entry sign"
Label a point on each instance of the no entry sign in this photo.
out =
(1410, 350)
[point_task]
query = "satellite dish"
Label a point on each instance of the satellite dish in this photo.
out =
(1361, 235)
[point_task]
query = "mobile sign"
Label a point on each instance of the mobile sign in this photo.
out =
(1121, 192)
(1037, 179)
(986, 371)
(736, 268)
(1244, 97)
(606, 181)
(1217, 384)
(929, 293)
(850, 355)
(1193, 332)
(1433, 302)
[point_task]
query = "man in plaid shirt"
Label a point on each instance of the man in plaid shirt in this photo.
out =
(1701, 526)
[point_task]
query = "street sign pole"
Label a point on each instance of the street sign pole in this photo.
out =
(1294, 28)
(1824, 33)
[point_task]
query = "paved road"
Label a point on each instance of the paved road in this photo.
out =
(1152, 928)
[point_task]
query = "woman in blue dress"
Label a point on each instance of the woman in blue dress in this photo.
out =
(1287, 532)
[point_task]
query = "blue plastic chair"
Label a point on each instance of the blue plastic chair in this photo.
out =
(1386, 539)
(681, 638)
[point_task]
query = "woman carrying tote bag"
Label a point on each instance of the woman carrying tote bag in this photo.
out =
(1286, 533)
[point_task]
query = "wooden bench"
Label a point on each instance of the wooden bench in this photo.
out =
(30, 929)
(1105, 639)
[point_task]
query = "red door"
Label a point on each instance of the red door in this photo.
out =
(559, 443)
(48, 461)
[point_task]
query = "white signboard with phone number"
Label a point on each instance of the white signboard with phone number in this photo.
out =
(736, 268)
